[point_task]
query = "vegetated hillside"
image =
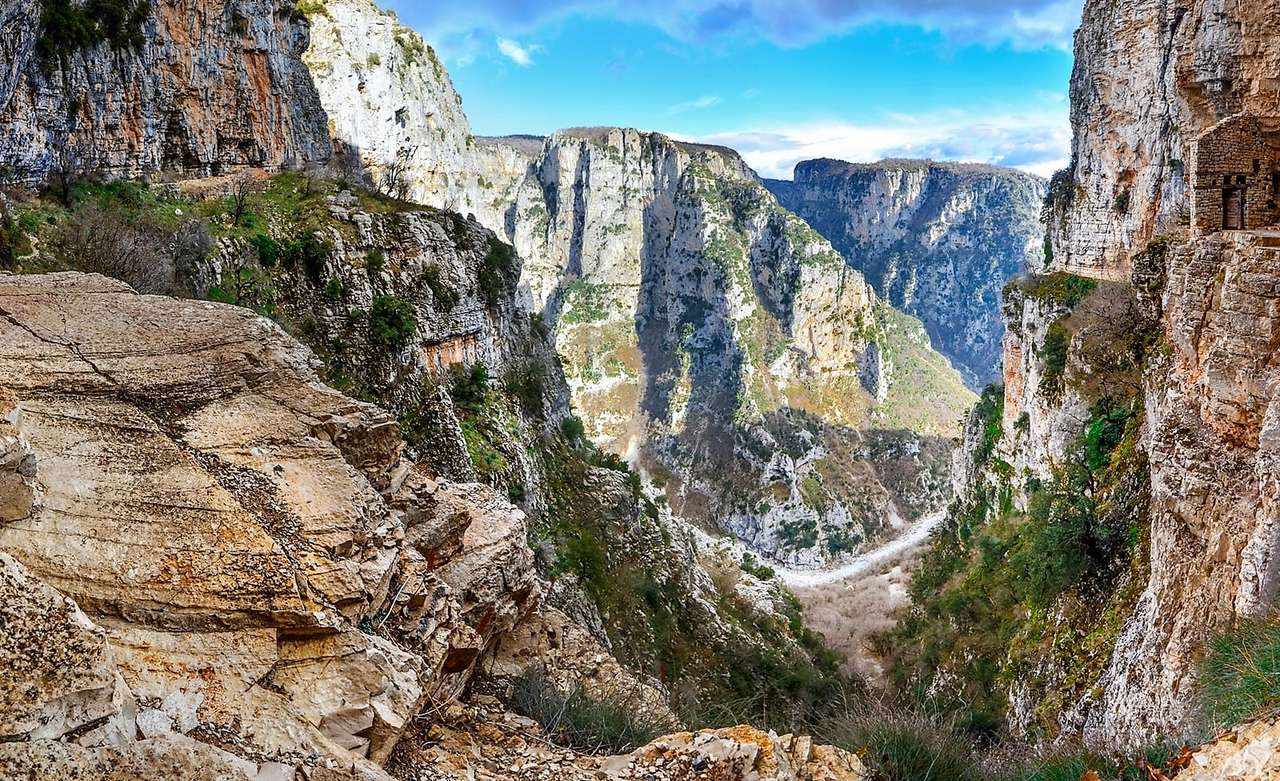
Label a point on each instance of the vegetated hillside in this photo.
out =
(707, 334)
(1116, 526)
(937, 240)
(416, 309)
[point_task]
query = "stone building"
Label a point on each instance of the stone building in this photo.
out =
(1235, 175)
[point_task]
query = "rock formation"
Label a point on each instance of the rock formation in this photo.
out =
(183, 88)
(1181, 327)
(1149, 79)
(253, 583)
(937, 240)
(707, 334)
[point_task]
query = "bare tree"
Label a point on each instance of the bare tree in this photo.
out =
(393, 178)
(69, 168)
(243, 187)
(99, 240)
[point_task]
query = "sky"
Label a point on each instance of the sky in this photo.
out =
(779, 80)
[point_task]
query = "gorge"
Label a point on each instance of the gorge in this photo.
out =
(337, 442)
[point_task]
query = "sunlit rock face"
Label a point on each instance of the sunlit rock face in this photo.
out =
(937, 240)
(1149, 78)
(127, 108)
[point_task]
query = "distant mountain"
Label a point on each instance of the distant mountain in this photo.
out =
(937, 240)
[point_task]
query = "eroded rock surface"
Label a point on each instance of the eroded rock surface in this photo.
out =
(189, 87)
(266, 574)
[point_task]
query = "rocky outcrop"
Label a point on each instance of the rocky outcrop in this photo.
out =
(937, 240)
(183, 87)
(481, 744)
(1149, 78)
(258, 567)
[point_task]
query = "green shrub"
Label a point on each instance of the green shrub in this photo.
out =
(573, 428)
(469, 387)
(1241, 676)
(267, 249)
(488, 462)
(392, 322)
(67, 27)
(1123, 199)
(1054, 354)
(444, 296)
(497, 271)
(335, 290)
(526, 383)
(607, 725)
(1058, 289)
(374, 260)
(310, 252)
(990, 412)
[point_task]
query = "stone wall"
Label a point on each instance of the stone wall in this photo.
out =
(1234, 154)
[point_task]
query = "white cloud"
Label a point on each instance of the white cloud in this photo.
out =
(704, 102)
(1038, 143)
(520, 55)
(1021, 23)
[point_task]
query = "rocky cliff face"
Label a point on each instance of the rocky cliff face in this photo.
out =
(937, 240)
(186, 87)
(706, 333)
(1199, 498)
(1149, 78)
(252, 581)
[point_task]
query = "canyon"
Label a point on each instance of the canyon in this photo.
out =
(392, 438)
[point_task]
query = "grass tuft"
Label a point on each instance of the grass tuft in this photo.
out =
(605, 725)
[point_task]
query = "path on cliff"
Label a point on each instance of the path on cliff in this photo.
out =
(866, 563)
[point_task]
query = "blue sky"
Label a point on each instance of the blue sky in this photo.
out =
(779, 80)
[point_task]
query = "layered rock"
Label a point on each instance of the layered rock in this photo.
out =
(266, 573)
(1149, 78)
(185, 87)
(937, 240)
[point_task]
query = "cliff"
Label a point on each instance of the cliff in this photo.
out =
(252, 581)
(1125, 466)
(707, 334)
(936, 240)
(167, 88)
(1149, 78)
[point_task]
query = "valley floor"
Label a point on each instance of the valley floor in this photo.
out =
(850, 604)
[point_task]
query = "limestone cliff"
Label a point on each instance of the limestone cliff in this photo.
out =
(1147, 396)
(1149, 78)
(177, 87)
(707, 334)
(937, 240)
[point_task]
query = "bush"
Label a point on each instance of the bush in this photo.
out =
(67, 27)
(107, 241)
(374, 260)
(990, 412)
(1241, 676)
(469, 387)
(267, 249)
(526, 382)
(1054, 354)
(573, 428)
(1058, 289)
(309, 251)
(497, 271)
(392, 322)
(607, 725)
(444, 296)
